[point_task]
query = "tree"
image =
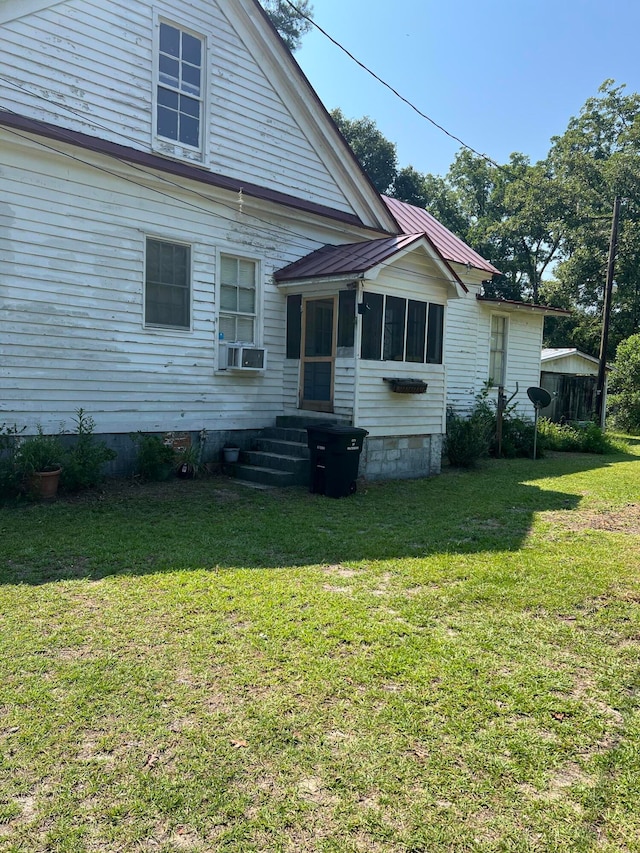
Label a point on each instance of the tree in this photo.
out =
(625, 385)
(291, 25)
(597, 158)
(376, 154)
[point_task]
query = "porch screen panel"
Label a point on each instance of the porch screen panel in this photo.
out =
(416, 330)
(317, 381)
(294, 326)
(319, 328)
(435, 334)
(346, 318)
(394, 325)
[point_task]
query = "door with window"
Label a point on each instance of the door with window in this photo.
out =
(319, 320)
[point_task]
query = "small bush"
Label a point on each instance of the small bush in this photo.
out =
(468, 439)
(156, 460)
(10, 478)
(517, 438)
(575, 438)
(84, 461)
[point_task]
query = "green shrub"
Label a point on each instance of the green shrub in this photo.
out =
(575, 438)
(156, 460)
(84, 461)
(517, 438)
(468, 439)
(38, 453)
(10, 478)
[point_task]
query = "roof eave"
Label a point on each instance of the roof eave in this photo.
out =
(514, 306)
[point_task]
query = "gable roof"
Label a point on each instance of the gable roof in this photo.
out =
(354, 259)
(415, 220)
(553, 353)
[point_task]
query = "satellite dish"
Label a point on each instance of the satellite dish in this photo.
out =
(539, 397)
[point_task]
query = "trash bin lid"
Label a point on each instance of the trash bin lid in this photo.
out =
(347, 431)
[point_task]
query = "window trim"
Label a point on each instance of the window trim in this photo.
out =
(504, 350)
(259, 297)
(159, 143)
(156, 327)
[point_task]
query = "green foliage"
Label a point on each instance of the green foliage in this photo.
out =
(9, 474)
(469, 439)
(374, 152)
(84, 461)
(575, 438)
(39, 453)
(156, 459)
(624, 400)
(287, 21)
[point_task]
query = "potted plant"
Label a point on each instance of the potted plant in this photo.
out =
(189, 463)
(38, 461)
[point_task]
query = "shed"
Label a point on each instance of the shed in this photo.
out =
(571, 377)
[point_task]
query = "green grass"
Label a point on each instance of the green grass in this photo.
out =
(440, 665)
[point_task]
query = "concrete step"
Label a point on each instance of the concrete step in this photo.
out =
(282, 447)
(265, 476)
(282, 462)
(303, 421)
(285, 434)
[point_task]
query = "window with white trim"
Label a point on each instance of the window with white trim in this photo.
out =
(179, 93)
(167, 290)
(238, 298)
(498, 351)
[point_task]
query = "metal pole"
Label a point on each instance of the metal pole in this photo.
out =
(606, 314)
(535, 431)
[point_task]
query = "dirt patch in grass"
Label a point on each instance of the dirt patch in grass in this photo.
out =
(625, 519)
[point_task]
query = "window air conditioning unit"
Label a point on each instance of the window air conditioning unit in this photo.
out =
(242, 357)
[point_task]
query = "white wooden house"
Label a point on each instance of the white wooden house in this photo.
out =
(187, 242)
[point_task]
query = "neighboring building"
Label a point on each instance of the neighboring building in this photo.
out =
(571, 377)
(188, 243)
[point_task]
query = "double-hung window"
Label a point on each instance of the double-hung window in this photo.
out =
(498, 350)
(238, 286)
(397, 329)
(179, 96)
(167, 296)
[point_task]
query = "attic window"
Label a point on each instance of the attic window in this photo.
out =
(180, 86)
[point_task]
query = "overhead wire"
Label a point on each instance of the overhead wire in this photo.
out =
(271, 230)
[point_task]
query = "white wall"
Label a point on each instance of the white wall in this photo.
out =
(72, 240)
(88, 66)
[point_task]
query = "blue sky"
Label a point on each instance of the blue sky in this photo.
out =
(503, 75)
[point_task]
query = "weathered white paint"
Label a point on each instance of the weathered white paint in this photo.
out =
(575, 363)
(72, 241)
(88, 66)
(467, 346)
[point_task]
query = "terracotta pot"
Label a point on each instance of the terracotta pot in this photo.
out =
(44, 484)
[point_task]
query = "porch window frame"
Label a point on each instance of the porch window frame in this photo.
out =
(494, 351)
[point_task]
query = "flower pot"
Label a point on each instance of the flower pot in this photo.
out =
(44, 484)
(230, 454)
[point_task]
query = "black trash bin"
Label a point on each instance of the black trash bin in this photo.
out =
(334, 459)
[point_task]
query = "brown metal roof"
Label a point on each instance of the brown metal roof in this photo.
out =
(415, 220)
(354, 259)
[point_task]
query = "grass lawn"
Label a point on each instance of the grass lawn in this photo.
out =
(440, 665)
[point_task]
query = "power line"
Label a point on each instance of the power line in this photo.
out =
(273, 232)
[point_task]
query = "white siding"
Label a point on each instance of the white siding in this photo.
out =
(467, 346)
(380, 410)
(88, 66)
(575, 364)
(72, 242)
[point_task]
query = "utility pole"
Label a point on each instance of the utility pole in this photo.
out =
(606, 314)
